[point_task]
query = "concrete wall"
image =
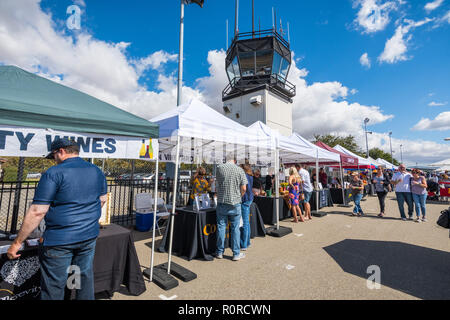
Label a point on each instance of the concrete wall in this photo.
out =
(273, 111)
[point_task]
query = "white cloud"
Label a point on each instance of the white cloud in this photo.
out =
(440, 123)
(430, 6)
(396, 48)
(437, 104)
(28, 38)
(420, 151)
(365, 60)
(374, 15)
(443, 20)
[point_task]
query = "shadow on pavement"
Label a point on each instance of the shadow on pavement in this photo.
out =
(365, 216)
(418, 271)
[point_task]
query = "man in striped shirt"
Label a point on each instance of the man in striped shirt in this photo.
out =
(231, 186)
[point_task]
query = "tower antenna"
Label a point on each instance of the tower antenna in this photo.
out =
(276, 27)
(253, 18)
(273, 19)
(289, 36)
(227, 35)
(236, 19)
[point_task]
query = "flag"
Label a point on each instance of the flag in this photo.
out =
(199, 2)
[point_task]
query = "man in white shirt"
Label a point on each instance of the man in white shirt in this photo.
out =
(307, 188)
(402, 182)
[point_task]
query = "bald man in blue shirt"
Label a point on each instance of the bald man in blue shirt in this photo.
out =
(69, 197)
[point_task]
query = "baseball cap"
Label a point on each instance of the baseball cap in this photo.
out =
(60, 143)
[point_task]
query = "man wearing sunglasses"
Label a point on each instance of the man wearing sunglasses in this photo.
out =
(69, 197)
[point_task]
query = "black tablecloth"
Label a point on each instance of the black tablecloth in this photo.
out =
(194, 233)
(115, 263)
(336, 195)
(324, 199)
(267, 208)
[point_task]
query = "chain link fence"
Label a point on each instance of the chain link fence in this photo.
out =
(125, 180)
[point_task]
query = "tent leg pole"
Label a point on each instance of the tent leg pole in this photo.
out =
(174, 202)
(155, 206)
(317, 181)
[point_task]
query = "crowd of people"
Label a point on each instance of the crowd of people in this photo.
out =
(236, 186)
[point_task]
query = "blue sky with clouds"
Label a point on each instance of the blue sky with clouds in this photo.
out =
(383, 59)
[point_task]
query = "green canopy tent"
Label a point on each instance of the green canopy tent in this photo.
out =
(28, 100)
(35, 111)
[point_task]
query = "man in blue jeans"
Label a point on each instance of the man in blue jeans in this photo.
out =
(231, 187)
(357, 192)
(247, 200)
(69, 197)
(402, 182)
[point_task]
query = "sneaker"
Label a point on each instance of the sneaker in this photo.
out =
(424, 220)
(244, 249)
(219, 256)
(239, 257)
(417, 220)
(410, 218)
(404, 219)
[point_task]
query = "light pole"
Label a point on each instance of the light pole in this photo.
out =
(401, 153)
(366, 120)
(390, 143)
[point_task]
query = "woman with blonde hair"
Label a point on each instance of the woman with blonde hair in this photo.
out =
(294, 194)
(199, 184)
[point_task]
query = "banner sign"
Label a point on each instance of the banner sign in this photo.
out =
(36, 142)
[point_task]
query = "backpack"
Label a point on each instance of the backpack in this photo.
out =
(444, 219)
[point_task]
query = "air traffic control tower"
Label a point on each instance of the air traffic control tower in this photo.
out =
(257, 66)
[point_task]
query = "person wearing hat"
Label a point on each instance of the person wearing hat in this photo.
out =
(357, 193)
(69, 197)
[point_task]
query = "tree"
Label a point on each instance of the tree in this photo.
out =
(348, 142)
(376, 153)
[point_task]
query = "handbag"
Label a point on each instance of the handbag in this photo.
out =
(444, 219)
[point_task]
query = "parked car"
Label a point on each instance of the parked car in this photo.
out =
(144, 178)
(33, 176)
(122, 179)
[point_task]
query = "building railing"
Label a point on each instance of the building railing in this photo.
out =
(17, 197)
(239, 85)
(259, 34)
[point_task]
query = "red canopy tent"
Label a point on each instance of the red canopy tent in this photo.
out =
(348, 162)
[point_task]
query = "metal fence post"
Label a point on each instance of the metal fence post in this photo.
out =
(17, 192)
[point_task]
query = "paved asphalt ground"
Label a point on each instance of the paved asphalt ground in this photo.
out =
(326, 258)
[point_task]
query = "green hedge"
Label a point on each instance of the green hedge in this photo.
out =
(10, 174)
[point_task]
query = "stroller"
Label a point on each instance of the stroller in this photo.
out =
(433, 190)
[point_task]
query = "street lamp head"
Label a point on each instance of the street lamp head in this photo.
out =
(447, 139)
(366, 120)
(390, 133)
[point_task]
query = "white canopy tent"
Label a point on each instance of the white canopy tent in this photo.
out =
(441, 163)
(443, 169)
(387, 164)
(295, 149)
(194, 132)
(206, 135)
(361, 161)
(374, 162)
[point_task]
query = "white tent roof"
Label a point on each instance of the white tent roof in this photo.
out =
(322, 154)
(294, 148)
(387, 164)
(361, 161)
(443, 169)
(373, 161)
(205, 135)
(441, 163)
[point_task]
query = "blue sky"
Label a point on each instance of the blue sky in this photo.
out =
(328, 38)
